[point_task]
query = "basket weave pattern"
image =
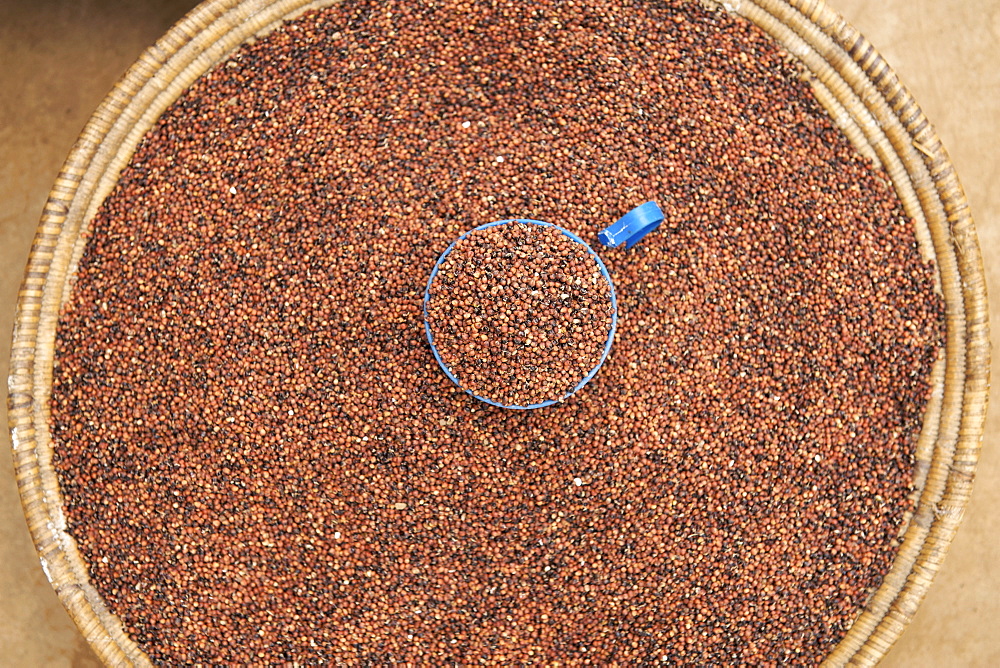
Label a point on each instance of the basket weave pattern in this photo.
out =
(857, 87)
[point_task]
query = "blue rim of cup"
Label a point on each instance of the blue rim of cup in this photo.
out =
(607, 345)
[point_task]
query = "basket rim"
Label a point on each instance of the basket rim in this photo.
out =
(215, 28)
(854, 75)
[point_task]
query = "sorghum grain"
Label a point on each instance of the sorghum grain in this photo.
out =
(263, 463)
(520, 313)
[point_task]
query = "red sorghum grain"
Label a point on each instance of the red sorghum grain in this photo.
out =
(263, 463)
(520, 313)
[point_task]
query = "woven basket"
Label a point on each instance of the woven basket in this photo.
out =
(862, 95)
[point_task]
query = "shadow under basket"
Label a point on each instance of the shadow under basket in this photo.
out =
(861, 93)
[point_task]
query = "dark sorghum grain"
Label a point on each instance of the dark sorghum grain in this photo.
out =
(520, 313)
(262, 461)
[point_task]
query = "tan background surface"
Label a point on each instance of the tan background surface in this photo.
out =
(58, 58)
